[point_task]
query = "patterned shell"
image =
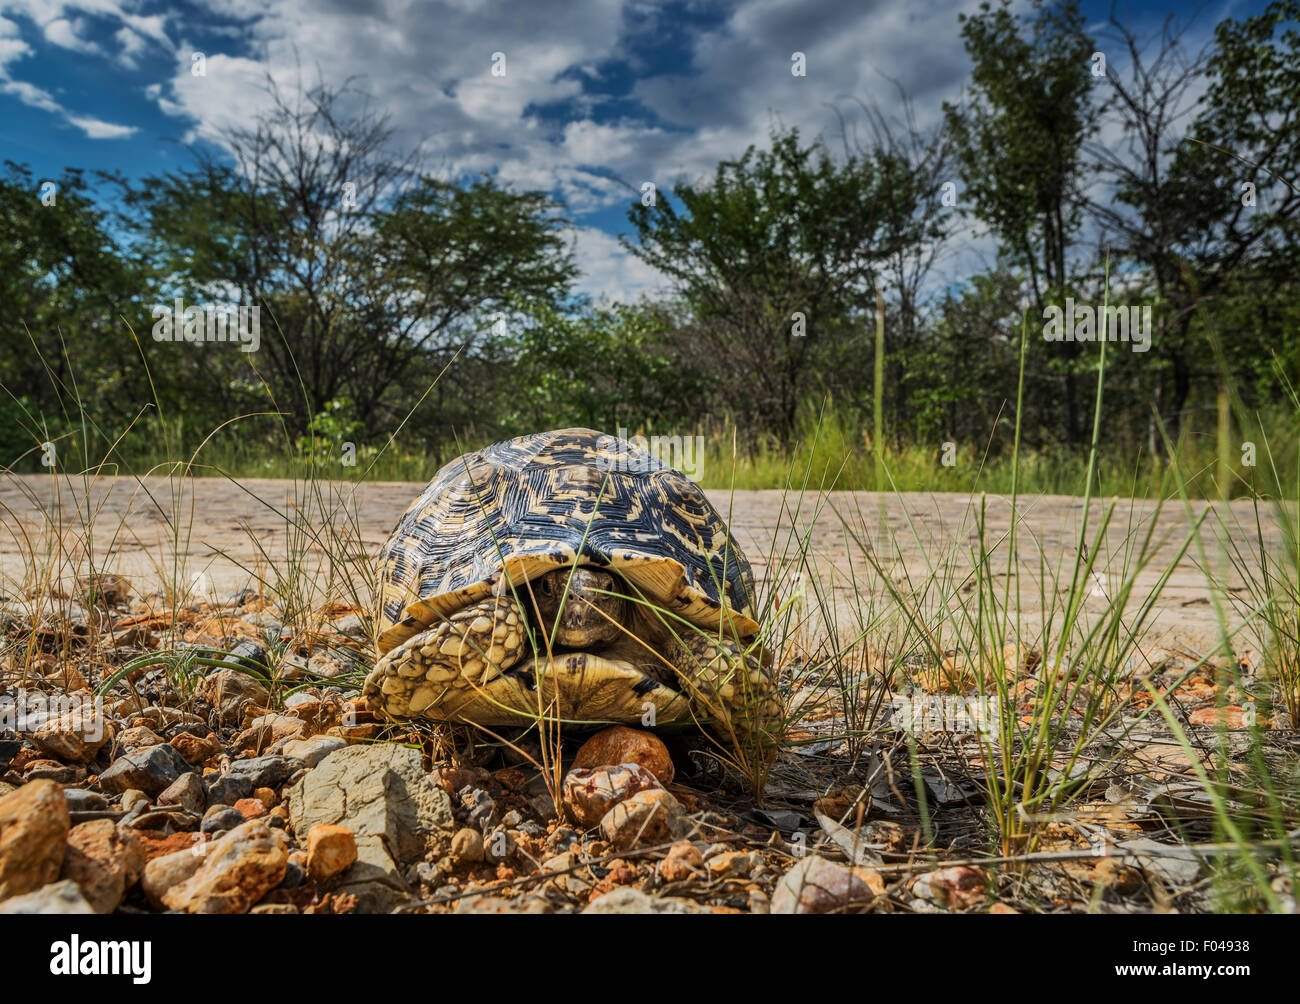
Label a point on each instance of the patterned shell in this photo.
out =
(523, 507)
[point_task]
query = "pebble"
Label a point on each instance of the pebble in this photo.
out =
(81, 800)
(34, 826)
(815, 885)
(238, 870)
(134, 798)
(249, 655)
(682, 862)
(55, 898)
(166, 871)
(104, 860)
(482, 809)
(220, 817)
(294, 875)
(250, 808)
(150, 770)
(267, 730)
(187, 792)
(959, 887)
(141, 737)
(625, 900)
(195, 749)
(621, 744)
(229, 691)
(590, 793)
(331, 850)
(729, 864)
(467, 846)
(652, 816)
(561, 839)
(227, 789)
(313, 750)
(52, 770)
(265, 771)
(499, 845)
(75, 736)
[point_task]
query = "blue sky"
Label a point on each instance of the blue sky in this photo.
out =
(599, 95)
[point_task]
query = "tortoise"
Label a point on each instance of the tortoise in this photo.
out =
(567, 573)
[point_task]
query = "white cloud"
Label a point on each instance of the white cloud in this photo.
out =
(99, 129)
(131, 45)
(67, 34)
(609, 271)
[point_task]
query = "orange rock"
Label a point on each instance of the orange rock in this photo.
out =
(682, 862)
(620, 744)
(156, 846)
(1233, 716)
(331, 849)
(194, 749)
(250, 808)
(34, 825)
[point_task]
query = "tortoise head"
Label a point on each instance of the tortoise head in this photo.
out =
(592, 613)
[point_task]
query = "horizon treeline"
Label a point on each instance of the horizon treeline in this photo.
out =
(1143, 171)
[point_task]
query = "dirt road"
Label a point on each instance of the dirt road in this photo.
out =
(155, 529)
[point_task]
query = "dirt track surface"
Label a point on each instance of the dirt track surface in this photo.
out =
(155, 529)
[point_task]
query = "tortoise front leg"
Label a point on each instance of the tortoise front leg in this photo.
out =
(727, 681)
(448, 664)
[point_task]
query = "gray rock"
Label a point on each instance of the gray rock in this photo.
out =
(187, 791)
(81, 800)
(294, 876)
(266, 771)
(221, 817)
(250, 655)
(57, 897)
(8, 750)
(482, 809)
(150, 770)
(227, 789)
(381, 793)
(60, 774)
(312, 751)
(351, 625)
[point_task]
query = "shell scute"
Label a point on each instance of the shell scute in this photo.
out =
(521, 507)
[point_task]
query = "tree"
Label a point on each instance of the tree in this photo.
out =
(1137, 209)
(775, 259)
(1019, 139)
(370, 275)
(919, 220)
(67, 284)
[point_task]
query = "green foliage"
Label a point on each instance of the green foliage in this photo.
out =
(775, 258)
(766, 342)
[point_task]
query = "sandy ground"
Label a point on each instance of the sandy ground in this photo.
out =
(220, 530)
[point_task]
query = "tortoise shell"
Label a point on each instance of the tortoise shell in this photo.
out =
(512, 511)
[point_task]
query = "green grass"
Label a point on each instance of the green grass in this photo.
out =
(831, 452)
